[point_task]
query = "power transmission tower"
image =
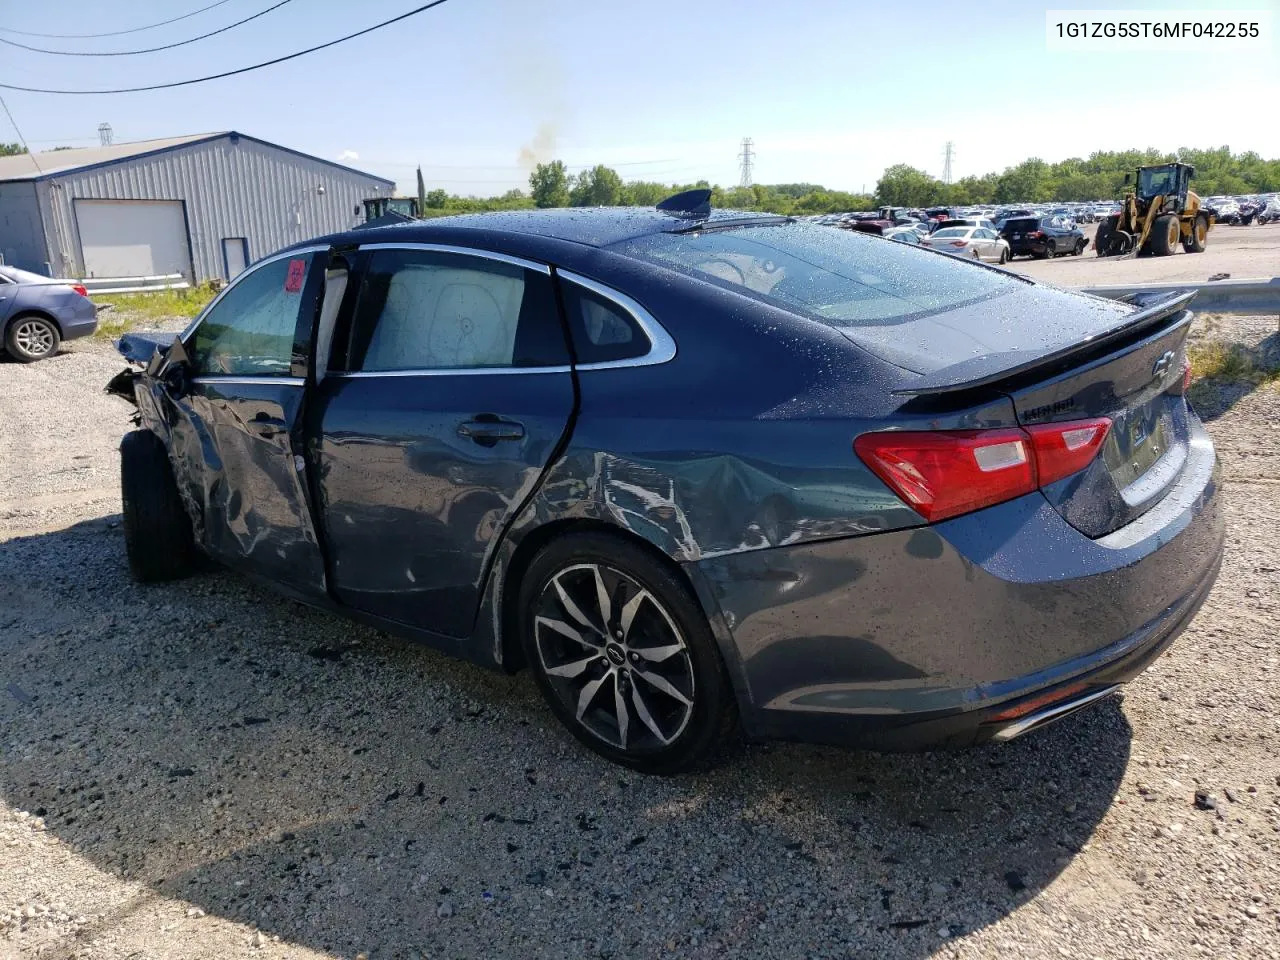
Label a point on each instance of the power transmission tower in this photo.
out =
(747, 157)
(104, 134)
(948, 153)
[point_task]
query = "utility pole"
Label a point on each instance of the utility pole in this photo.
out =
(747, 157)
(948, 152)
(104, 134)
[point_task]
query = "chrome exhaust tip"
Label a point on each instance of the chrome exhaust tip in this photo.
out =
(1049, 714)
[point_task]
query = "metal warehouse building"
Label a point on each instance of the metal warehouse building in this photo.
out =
(203, 206)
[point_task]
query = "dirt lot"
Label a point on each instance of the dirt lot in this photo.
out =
(1244, 252)
(206, 770)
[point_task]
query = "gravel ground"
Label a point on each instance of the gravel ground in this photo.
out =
(1244, 252)
(206, 770)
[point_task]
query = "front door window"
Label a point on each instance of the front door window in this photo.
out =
(250, 331)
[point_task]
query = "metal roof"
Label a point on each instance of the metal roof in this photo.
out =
(23, 166)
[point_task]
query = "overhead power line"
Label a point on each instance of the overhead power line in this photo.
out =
(132, 53)
(21, 138)
(113, 33)
(236, 72)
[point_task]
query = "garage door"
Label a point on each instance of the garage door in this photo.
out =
(133, 238)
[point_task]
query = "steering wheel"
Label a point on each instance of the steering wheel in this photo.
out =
(742, 277)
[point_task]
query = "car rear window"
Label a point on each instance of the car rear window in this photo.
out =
(952, 232)
(841, 277)
(1020, 224)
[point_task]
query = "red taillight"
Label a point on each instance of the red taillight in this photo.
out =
(1035, 235)
(1186, 374)
(946, 473)
(957, 243)
(1065, 448)
(79, 288)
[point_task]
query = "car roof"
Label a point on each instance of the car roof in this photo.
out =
(26, 276)
(589, 226)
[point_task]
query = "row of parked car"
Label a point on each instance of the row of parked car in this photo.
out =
(1242, 211)
(1014, 233)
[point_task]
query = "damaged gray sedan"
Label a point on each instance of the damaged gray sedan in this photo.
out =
(699, 472)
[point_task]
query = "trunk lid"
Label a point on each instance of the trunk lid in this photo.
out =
(1140, 388)
(1082, 359)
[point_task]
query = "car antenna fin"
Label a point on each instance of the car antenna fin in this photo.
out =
(688, 205)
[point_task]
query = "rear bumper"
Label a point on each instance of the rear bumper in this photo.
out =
(922, 638)
(81, 322)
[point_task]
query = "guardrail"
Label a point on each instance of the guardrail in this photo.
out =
(166, 281)
(1259, 296)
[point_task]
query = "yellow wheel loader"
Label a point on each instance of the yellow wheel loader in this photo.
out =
(1159, 214)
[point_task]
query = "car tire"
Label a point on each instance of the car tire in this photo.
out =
(623, 654)
(1050, 249)
(30, 338)
(157, 530)
(1080, 245)
(1004, 256)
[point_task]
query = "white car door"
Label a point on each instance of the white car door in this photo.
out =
(984, 240)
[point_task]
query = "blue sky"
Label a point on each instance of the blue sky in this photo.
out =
(475, 90)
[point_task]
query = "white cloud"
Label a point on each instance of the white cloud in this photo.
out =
(348, 155)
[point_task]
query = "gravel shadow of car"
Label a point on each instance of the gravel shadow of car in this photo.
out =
(351, 793)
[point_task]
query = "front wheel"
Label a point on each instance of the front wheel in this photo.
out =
(31, 338)
(157, 530)
(623, 654)
(1164, 235)
(1080, 245)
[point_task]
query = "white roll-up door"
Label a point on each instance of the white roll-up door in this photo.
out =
(133, 238)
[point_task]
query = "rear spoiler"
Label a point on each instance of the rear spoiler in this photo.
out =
(993, 368)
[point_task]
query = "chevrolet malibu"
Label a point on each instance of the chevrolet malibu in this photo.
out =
(698, 471)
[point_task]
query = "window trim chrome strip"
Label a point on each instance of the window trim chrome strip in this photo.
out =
(444, 372)
(661, 347)
(461, 251)
(262, 379)
(231, 285)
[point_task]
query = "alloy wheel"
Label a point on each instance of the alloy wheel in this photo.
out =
(35, 338)
(614, 657)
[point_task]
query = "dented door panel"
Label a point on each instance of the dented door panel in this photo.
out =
(237, 441)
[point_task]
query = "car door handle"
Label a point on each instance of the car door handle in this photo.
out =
(488, 430)
(265, 426)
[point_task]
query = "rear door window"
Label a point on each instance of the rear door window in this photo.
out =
(601, 330)
(429, 310)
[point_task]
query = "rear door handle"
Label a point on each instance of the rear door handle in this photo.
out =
(265, 426)
(488, 430)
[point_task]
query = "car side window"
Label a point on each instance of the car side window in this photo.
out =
(601, 330)
(429, 310)
(250, 330)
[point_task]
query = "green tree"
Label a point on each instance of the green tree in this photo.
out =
(905, 186)
(549, 184)
(11, 149)
(436, 199)
(644, 193)
(597, 187)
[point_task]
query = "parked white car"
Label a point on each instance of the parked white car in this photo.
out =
(979, 243)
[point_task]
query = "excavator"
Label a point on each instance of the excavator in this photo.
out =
(1158, 214)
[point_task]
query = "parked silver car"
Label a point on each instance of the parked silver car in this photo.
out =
(37, 313)
(978, 243)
